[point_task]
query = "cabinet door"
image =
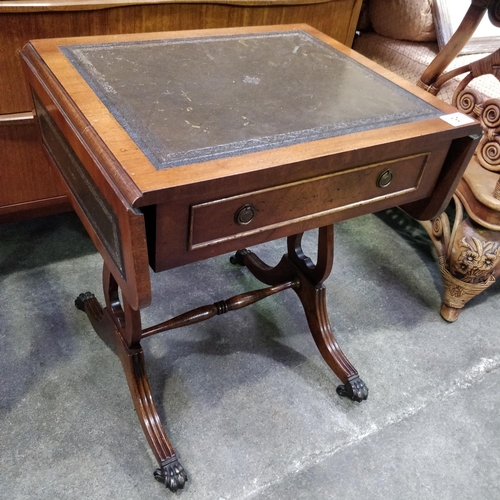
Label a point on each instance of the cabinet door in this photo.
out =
(28, 185)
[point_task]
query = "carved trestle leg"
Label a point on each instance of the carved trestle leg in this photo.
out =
(469, 258)
(120, 328)
(295, 266)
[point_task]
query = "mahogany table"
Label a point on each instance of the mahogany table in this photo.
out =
(180, 146)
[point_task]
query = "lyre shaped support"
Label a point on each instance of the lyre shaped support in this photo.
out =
(295, 265)
(119, 325)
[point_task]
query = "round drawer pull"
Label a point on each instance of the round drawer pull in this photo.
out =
(244, 215)
(385, 178)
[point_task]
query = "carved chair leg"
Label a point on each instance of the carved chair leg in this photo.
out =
(469, 259)
(113, 325)
(472, 266)
(312, 294)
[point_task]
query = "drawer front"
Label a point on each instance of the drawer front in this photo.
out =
(243, 215)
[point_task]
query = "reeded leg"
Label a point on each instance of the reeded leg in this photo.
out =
(469, 259)
(114, 325)
(296, 266)
(170, 472)
(313, 300)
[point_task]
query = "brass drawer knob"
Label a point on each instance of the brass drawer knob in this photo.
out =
(244, 215)
(385, 178)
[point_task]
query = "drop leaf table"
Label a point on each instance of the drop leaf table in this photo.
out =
(180, 146)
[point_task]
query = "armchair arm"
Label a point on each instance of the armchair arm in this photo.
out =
(467, 27)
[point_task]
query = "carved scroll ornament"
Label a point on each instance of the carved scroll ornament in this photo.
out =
(471, 103)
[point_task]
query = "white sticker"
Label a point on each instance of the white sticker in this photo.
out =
(457, 119)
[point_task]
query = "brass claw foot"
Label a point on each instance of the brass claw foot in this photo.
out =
(354, 389)
(238, 257)
(81, 299)
(172, 474)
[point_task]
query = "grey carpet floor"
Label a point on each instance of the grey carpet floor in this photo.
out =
(246, 398)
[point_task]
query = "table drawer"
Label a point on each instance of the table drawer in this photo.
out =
(262, 210)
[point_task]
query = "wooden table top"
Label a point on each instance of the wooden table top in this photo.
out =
(197, 99)
(186, 107)
(180, 146)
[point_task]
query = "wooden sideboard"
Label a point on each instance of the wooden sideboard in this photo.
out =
(28, 187)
